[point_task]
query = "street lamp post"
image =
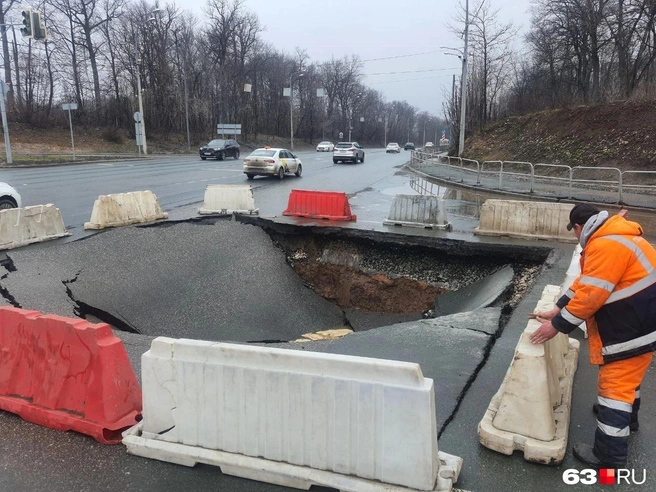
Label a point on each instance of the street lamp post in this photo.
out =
(291, 106)
(350, 124)
(463, 96)
(143, 123)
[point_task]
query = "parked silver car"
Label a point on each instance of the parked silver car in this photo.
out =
(348, 151)
(9, 197)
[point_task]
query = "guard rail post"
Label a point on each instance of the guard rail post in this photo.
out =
(621, 198)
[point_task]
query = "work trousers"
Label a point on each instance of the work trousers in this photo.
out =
(618, 390)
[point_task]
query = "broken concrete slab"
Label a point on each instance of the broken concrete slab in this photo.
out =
(445, 351)
(485, 320)
(208, 280)
(479, 294)
(368, 320)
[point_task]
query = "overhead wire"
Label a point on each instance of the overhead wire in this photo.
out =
(400, 56)
(409, 80)
(412, 71)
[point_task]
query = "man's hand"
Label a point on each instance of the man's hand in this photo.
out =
(545, 332)
(545, 315)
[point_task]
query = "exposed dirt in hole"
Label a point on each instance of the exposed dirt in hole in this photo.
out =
(348, 287)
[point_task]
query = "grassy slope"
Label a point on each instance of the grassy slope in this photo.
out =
(620, 134)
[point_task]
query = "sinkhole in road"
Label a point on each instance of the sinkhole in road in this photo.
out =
(368, 272)
(260, 280)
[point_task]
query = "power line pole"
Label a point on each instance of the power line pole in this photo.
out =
(463, 83)
(5, 126)
(143, 120)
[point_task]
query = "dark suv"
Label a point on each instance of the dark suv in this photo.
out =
(220, 149)
(409, 146)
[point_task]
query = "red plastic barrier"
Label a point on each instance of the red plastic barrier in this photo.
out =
(330, 205)
(67, 374)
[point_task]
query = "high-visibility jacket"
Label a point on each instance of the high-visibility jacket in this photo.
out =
(615, 293)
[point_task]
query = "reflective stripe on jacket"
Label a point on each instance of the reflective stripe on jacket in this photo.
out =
(615, 293)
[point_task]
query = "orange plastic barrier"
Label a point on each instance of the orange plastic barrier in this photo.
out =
(67, 374)
(330, 205)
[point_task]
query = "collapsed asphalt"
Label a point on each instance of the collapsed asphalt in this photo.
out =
(37, 458)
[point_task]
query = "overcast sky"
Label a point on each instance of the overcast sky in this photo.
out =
(376, 29)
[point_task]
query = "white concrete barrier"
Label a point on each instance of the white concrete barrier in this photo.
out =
(527, 220)
(531, 410)
(290, 417)
(35, 224)
(424, 211)
(125, 209)
(228, 200)
(574, 271)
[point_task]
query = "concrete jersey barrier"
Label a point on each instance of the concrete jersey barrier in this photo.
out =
(531, 410)
(526, 220)
(228, 200)
(22, 226)
(290, 417)
(125, 209)
(428, 212)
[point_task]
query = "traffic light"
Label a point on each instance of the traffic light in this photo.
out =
(38, 29)
(26, 30)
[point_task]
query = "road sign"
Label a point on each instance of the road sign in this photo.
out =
(228, 128)
(319, 92)
(69, 106)
(248, 88)
(287, 91)
(341, 134)
(137, 117)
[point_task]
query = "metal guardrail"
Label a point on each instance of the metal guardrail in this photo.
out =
(424, 187)
(557, 179)
(604, 178)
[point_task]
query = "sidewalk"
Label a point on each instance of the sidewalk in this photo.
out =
(512, 182)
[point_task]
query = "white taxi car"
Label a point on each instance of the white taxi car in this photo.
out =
(268, 161)
(9, 197)
(325, 147)
(393, 147)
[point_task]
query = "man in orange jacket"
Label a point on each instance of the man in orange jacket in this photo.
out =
(616, 295)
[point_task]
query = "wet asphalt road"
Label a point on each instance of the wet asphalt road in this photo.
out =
(179, 182)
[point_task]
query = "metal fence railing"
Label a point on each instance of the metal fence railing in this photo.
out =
(557, 180)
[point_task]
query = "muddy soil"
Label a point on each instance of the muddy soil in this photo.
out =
(380, 278)
(350, 288)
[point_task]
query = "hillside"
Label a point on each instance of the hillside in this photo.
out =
(620, 134)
